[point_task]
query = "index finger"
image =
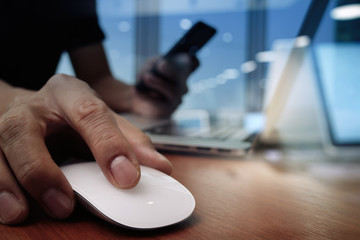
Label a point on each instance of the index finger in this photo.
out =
(94, 121)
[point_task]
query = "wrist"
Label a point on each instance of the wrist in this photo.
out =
(116, 94)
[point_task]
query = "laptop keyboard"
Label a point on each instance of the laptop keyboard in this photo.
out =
(226, 132)
(222, 132)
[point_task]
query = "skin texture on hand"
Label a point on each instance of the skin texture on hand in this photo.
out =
(64, 104)
(126, 98)
(90, 65)
(170, 82)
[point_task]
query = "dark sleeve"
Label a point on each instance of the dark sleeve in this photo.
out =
(34, 34)
(82, 25)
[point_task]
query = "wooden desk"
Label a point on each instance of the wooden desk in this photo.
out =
(247, 199)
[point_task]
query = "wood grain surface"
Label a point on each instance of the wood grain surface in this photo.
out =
(235, 199)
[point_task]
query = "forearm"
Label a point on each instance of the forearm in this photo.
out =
(116, 94)
(8, 93)
(91, 66)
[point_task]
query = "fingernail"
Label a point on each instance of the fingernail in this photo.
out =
(124, 171)
(57, 203)
(10, 207)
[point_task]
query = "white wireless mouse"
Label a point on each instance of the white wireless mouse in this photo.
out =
(157, 201)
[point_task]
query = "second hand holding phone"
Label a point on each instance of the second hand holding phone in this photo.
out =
(193, 40)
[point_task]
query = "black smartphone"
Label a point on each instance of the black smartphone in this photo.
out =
(191, 42)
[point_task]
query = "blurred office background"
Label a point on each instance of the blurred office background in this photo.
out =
(234, 64)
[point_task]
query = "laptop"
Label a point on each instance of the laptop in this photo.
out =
(290, 95)
(227, 134)
(337, 77)
(330, 72)
(289, 92)
(197, 131)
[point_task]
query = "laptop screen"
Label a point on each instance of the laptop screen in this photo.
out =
(339, 81)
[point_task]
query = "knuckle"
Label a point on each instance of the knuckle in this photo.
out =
(145, 139)
(104, 136)
(30, 173)
(58, 81)
(89, 109)
(60, 77)
(142, 140)
(91, 117)
(12, 126)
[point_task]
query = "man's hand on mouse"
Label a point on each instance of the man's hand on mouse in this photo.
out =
(27, 165)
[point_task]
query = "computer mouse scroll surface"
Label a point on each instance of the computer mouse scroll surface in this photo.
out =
(157, 201)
